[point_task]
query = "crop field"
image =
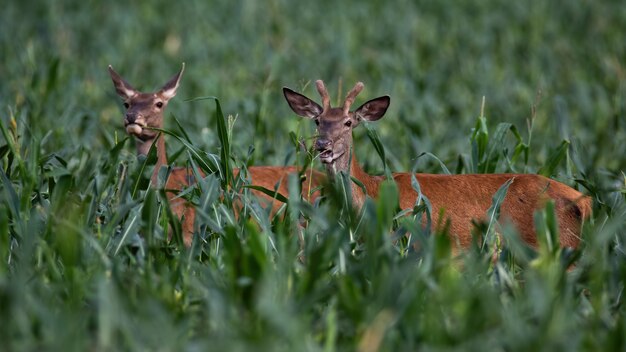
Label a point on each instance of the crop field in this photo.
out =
(91, 256)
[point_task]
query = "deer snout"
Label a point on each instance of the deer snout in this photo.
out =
(134, 124)
(135, 119)
(322, 144)
(131, 118)
(325, 148)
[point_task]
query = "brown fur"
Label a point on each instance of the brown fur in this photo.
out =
(463, 198)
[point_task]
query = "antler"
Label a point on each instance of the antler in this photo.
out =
(351, 96)
(324, 94)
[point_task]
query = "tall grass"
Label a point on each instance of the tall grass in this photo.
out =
(86, 260)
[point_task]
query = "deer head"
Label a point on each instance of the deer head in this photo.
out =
(144, 110)
(334, 125)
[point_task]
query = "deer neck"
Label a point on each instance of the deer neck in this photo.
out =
(348, 163)
(143, 147)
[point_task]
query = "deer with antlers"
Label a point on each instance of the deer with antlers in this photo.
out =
(144, 114)
(461, 198)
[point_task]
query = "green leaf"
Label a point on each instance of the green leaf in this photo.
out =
(149, 214)
(555, 159)
(548, 229)
(130, 229)
(387, 202)
(150, 159)
(441, 164)
(12, 199)
(373, 137)
(421, 198)
(493, 213)
(207, 162)
(273, 194)
(175, 227)
(222, 133)
(496, 145)
(479, 141)
(181, 129)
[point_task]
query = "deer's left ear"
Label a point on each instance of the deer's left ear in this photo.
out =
(374, 109)
(168, 91)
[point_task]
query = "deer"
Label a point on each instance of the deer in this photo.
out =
(142, 120)
(461, 199)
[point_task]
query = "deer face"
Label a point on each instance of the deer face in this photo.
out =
(334, 134)
(335, 125)
(144, 110)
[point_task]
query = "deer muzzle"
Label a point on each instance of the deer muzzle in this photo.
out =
(134, 124)
(325, 149)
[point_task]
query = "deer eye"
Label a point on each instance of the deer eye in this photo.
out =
(159, 104)
(126, 105)
(348, 123)
(317, 122)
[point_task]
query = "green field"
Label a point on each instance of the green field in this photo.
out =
(85, 262)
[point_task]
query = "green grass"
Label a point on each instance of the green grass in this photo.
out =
(85, 263)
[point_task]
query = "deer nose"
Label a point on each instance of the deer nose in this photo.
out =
(322, 144)
(130, 118)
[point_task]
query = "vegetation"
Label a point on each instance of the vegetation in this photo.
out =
(85, 260)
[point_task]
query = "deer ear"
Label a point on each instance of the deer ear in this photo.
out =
(169, 89)
(123, 89)
(302, 105)
(374, 109)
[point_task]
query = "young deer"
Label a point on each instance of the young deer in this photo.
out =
(144, 112)
(461, 197)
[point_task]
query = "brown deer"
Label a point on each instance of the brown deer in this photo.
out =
(144, 113)
(462, 198)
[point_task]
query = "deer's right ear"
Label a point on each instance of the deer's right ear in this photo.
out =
(302, 105)
(123, 89)
(169, 89)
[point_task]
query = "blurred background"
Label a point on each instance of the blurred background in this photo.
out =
(436, 60)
